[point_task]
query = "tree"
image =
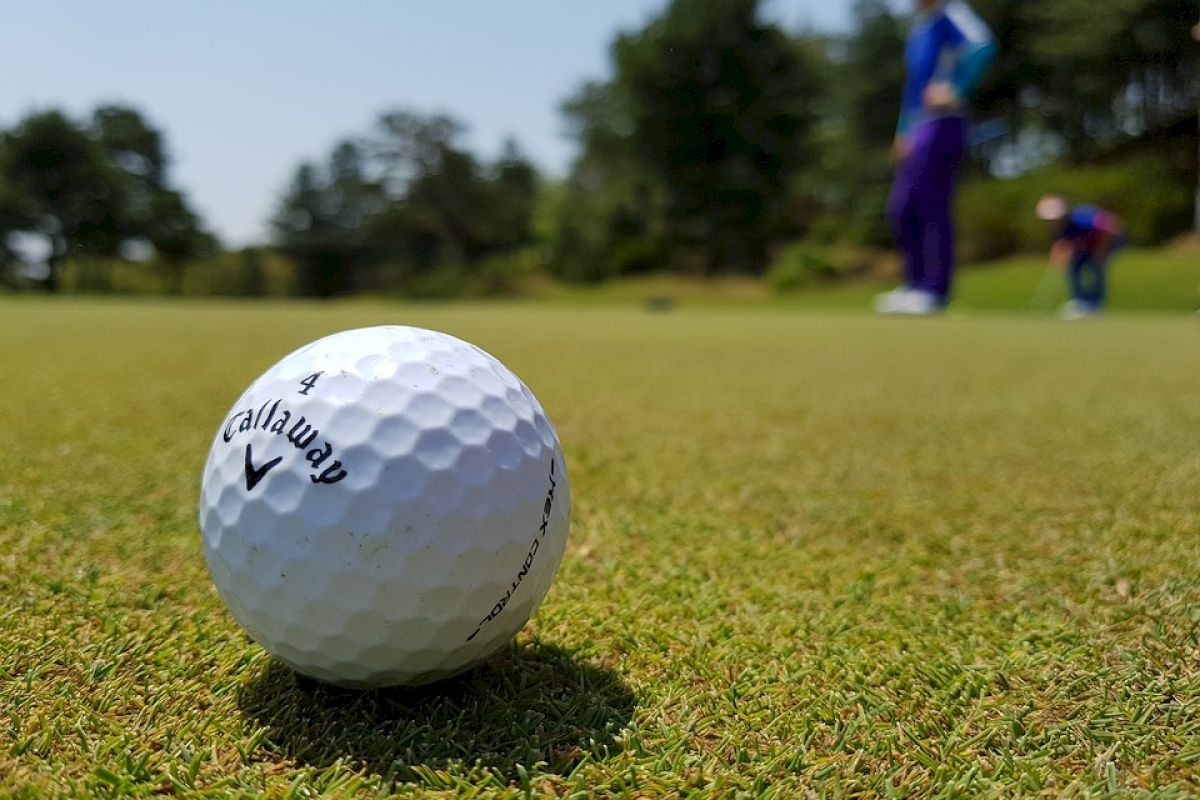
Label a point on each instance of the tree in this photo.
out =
(152, 211)
(720, 108)
(91, 189)
(132, 144)
(402, 205)
(1112, 75)
(862, 102)
(253, 273)
(442, 210)
(516, 184)
(306, 233)
(13, 217)
(1091, 80)
(323, 220)
(712, 106)
(60, 184)
(447, 212)
(176, 235)
(874, 73)
(446, 209)
(611, 218)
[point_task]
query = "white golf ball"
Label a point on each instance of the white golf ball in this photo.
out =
(384, 506)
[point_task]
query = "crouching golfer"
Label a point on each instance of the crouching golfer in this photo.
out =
(1085, 238)
(948, 51)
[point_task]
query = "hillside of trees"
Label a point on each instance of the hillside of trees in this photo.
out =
(719, 143)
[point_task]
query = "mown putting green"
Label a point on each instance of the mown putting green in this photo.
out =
(811, 552)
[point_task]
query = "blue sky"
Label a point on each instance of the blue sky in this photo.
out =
(245, 90)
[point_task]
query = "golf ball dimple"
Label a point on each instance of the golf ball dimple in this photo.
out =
(384, 506)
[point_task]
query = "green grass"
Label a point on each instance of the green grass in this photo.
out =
(1142, 280)
(813, 555)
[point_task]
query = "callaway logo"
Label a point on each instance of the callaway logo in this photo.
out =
(275, 418)
(255, 474)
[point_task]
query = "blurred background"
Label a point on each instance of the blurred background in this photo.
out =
(454, 149)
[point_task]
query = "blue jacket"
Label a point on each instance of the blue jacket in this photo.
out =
(948, 43)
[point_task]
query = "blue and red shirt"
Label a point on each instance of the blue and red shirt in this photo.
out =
(947, 43)
(1088, 226)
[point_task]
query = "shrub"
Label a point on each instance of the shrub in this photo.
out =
(995, 217)
(501, 274)
(798, 265)
(494, 276)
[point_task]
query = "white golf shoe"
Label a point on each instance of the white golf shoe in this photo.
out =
(907, 302)
(1074, 310)
(886, 302)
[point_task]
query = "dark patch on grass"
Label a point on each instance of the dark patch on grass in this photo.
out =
(532, 704)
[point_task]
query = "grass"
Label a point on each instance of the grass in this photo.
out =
(1145, 281)
(1142, 280)
(813, 555)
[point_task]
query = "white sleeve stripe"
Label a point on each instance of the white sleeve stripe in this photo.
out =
(973, 29)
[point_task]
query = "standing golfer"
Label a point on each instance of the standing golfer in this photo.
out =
(1085, 237)
(948, 51)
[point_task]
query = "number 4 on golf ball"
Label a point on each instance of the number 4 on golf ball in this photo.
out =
(385, 506)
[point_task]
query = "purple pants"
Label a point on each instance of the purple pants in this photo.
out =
(919, 206)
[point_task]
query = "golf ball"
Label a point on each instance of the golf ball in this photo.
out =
(384, 506)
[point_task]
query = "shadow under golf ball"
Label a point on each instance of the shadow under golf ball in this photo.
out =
(530, 703)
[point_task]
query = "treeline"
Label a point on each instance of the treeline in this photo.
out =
(407, 208)
(720, 141)
(90, 190)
